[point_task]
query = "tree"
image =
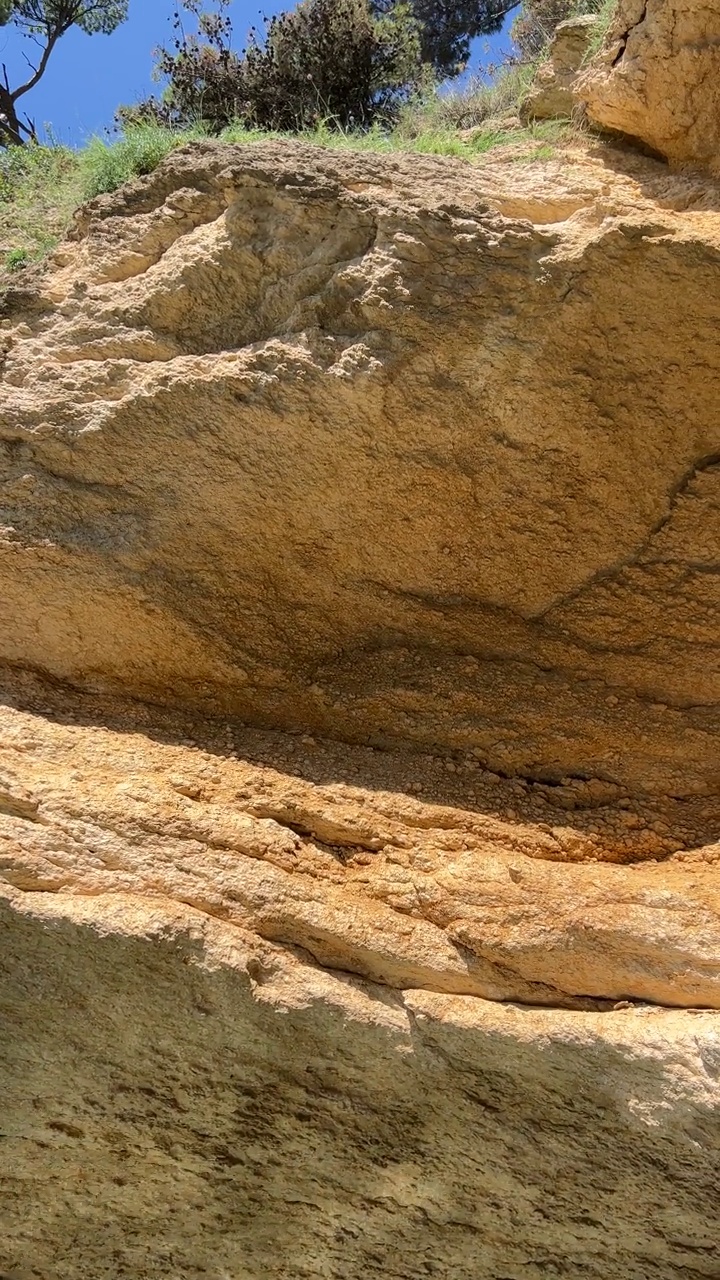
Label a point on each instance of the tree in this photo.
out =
(326, 60)
(45, 22)
(332, 60)
(204, 76)
(448, 26)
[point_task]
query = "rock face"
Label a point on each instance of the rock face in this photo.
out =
(657, 78)
(421, 460)
(375, 446)
(262, 1022)
(552, 94)
(180, 1106)
(364, 876)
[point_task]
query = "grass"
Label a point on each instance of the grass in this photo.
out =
(477, 103)
(16, 259)
(41, 186)
(605, 15)
(103, 166)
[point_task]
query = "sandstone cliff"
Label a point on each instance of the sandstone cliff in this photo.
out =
(381, 446)
(657, 78)
(413, 466)
(269, 1013)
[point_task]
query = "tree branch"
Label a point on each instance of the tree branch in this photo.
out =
(45, 22)
(507, 7)
(66, 17)
(52, 38)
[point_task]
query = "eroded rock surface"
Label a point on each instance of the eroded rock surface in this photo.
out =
(474, 886)
(657, 78)
(268, 1012)
(178, 1104)
(551, 96)
(399, 447)
(413, 466)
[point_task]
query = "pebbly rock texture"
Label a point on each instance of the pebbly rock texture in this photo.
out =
(413, 466)
(552, 95)
(387, 447)
(657, 78)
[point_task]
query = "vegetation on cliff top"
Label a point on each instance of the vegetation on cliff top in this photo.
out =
(40, 187)
(349, 64)
(328, 72)
(348, 60)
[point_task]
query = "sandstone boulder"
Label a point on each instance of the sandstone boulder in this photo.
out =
(267, 1014)
(551, 96)
(657, 79)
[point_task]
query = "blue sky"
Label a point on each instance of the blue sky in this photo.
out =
(90, 76)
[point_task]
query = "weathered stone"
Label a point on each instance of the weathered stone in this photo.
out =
(657, 78)
(423, 456)
(269, 1014)
(551, 96)
(295, 428)
(470, 899)
(176, 1101)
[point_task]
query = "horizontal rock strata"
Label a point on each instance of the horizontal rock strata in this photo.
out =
(176, 1100)
(470, 897)
(280, 1008)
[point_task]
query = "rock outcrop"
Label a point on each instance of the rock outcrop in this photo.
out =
(657, 79)
(359, 821)
(509, 897)
(180, 1105)
(552, 95)
(268, 1012)
(380, 447)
